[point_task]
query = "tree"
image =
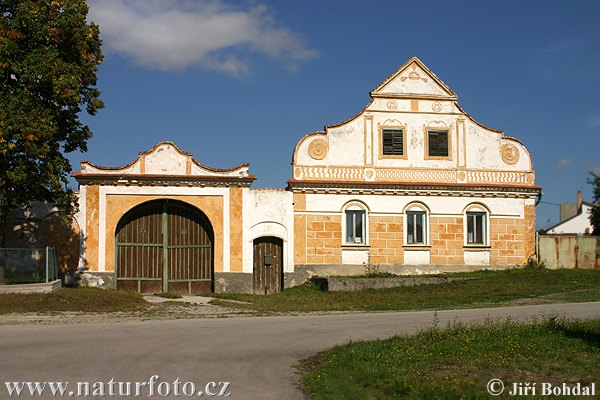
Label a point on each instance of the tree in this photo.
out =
(595, 212)
(49, 57)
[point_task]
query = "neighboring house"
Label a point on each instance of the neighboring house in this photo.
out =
(412, 183)
(574, 218)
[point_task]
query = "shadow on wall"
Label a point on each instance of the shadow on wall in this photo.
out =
(40, 226)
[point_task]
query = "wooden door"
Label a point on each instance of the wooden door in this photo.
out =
(268, 265)
(164, 246)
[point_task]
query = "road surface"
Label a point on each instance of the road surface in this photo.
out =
(255, 354)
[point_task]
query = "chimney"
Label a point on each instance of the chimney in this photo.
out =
(579, 200)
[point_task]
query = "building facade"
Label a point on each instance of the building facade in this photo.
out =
(411, 183)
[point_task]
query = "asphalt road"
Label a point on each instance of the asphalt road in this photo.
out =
(255, 354)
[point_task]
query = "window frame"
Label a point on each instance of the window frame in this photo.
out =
(474, 211)
(415, 209)
(355, 208)
(448, 130)
(383, 128)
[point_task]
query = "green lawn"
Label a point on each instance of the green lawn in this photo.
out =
(73, 299)
(458, 361)
(488, 288)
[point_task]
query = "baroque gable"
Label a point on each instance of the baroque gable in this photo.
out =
(412, 132)
(164, 162)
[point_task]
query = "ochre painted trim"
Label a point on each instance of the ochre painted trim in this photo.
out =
(426, 155)
(92, 211)
(236, 229)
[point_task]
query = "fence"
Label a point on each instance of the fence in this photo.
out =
(569, 251)
(28, 265)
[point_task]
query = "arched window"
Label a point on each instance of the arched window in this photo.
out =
(355, 223)
(417, 224)
(476, 225)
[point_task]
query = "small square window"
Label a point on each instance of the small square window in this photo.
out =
(438, 143)
(416, 227)
(355, 227)
(476, 227)
(393, 142)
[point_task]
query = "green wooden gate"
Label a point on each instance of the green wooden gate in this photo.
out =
(164, 246)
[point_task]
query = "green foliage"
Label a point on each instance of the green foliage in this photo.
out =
(49, 57)
(458, 361)
(595, 212)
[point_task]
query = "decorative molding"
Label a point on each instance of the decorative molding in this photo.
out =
(329, 173)
(317, 149)
(413, 175)
(436, 107)
(414, 75)
(392, 105)
(509, 153)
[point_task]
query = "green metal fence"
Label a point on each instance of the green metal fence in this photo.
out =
(20, 265)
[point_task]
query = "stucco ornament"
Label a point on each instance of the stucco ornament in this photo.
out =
(509, 153)
(317, 149)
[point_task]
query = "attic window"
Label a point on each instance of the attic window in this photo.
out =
(392, 142)
(438, 144)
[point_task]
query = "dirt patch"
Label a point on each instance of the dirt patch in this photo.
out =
(168, 310)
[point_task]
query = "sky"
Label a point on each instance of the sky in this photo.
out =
(241, 82)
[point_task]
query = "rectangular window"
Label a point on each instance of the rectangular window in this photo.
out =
(393, 142)
(476, 228)
(416, 227)
(438, 143)
(355, 227)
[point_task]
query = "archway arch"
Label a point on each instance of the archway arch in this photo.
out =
(164, 245)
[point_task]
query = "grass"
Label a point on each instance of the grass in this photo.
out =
(458, 361)
(91, 300)
(486, 289)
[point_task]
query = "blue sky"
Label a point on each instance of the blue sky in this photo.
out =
(234, 82)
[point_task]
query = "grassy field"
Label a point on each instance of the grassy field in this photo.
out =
(458, 361)
(89, 300)
(488, 288)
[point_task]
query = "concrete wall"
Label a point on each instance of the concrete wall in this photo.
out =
(578, 252)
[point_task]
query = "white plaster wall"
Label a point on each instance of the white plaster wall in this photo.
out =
(160, 191)
(346, 144)
(355, 256)
(438, 205)
(87, 168)
(477, 257)
(576, 225)
(165, 160)
(417, 257)
(413, 86)
(268, 213)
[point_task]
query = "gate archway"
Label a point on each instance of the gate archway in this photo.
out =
(164, 246)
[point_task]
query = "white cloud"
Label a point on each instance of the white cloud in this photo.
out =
(563, 164)
(178, 34)
(556, 47)
(593, 122)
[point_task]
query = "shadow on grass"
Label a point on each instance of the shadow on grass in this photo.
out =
(581, 331)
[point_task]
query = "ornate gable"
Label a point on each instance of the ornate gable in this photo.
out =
(164, 162)
(414, 80)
